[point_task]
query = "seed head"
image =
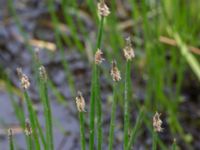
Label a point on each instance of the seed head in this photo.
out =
(25, 84)
(115, 73)
(80, 102)
(103, 9)
(43, 73)
(128, 50)
(157, 122)
(98, 57)
(28, 130)
(10, 133)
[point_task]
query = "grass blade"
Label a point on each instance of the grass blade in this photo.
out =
(135, 129)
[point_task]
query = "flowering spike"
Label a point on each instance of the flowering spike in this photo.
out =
(28, 130)
(80, 102)
(128, 50)
(98, 57)
(10, 133)
(157, 122)
(103, 9)
(43, 73)
(115, 73)
(25, 84)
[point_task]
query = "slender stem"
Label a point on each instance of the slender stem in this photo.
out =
(92, 109)
(32, 117)
(135, 129)
(40, 131)
(154, 146)
(126, 102)
(11, 142)
(82, 130)
(112, 122)
(30, 142)
(48, 117)
(100, 32)
(174, 145)
(95, 95)
(99, 114)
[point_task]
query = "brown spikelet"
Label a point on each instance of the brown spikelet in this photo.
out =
(128, 50)
(43, 73)
(25, 84)
(103, 9)
(80, 102)
(98, 57)
(28, 129)
(10, 133)
(157, 122)
(115, 73)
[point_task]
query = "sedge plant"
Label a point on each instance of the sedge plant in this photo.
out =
(47, 108)
(80, 103)
(129, 55)
(116, 76)
(103, 12)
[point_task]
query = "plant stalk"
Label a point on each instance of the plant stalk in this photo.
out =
(82, 130)
(126, 103)
(113, 116)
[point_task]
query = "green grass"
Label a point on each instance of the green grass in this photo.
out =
(149, 21)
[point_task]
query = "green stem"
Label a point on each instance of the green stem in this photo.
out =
(48, 115)
(100, 32)
(32, 117)
(135, 129)
(97, 87)
(99, 114)
(92, 109)
(11, 142)
(154, 144)
(30, 142)
(82, 130)
(95, 95)
(126, 102)
(174, 145)
(112, 122)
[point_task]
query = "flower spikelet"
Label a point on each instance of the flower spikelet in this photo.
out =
(43, 73)
(103, 9)
(157, 122)
(115, 73)
(28, 130)
(98, 57)
(128, 50)
(80, 102)
(24, 80)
